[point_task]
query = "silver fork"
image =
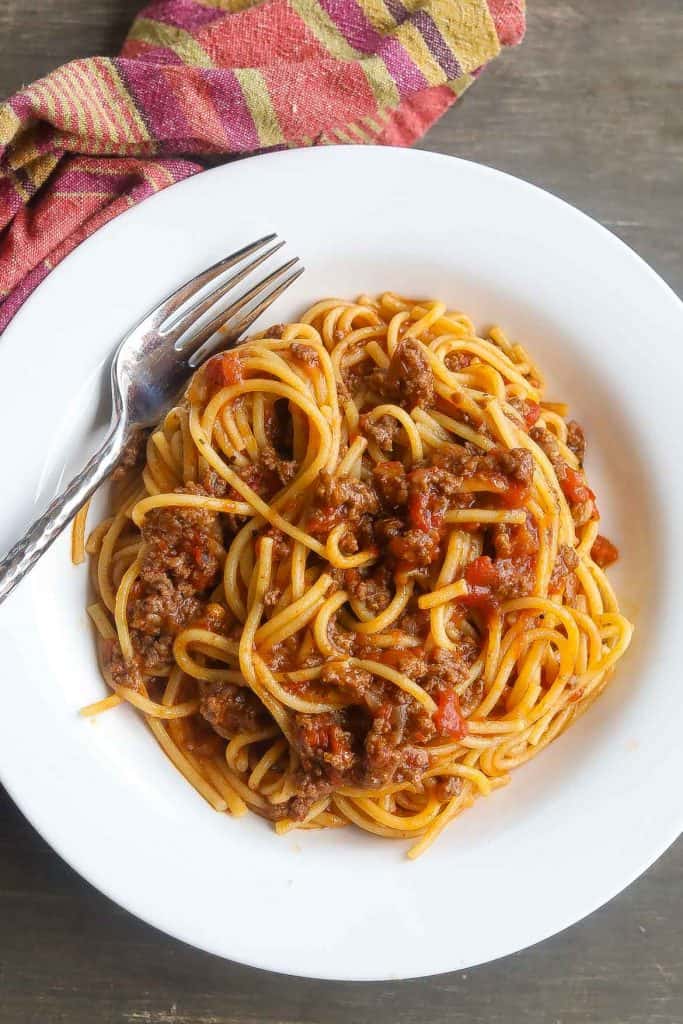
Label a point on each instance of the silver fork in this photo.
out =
(150, 366)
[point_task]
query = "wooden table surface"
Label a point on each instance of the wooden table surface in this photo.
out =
(590, 108)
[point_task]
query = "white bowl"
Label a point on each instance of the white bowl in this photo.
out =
(578, 823)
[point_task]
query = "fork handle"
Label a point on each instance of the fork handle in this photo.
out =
(38, 538)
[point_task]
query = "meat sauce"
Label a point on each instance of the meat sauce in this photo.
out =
(395, 513)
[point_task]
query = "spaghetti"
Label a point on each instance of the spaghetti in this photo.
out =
(357, 576)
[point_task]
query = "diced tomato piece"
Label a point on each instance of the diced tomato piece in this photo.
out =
(222, 370)
(575, 487)
(482, 572)
(419, 512)
(604, 552)
(523, 539)
(530, 412)
(480, 599)
(448, 718)
(515, 495)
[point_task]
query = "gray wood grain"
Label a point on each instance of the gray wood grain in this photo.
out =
(591, 109)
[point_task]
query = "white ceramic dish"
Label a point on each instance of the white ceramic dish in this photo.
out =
(577, 824)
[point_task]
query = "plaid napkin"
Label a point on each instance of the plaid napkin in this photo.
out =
(203, 78)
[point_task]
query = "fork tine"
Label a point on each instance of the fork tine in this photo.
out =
(178, 323)
(244, 322)
(231, 332)
(173, 301)
(204, 333)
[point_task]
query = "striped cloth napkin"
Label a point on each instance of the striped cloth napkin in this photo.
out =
(208, 78)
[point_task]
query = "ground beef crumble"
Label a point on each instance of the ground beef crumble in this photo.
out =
(284, 469)
(305, 354)
(383, 431)
(408, 380)
(181, 561)
(562, 578)
(341, 499)
(133, 454)
(231, 709)
(576, 440)
(373, 587)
